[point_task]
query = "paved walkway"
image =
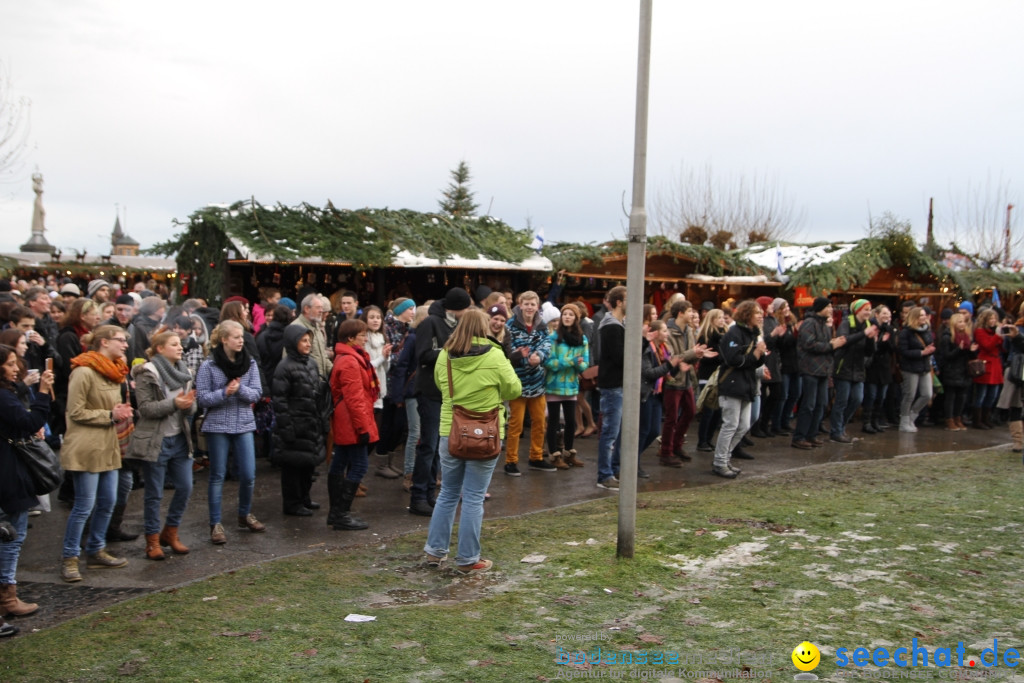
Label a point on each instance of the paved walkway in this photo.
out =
(386, 510)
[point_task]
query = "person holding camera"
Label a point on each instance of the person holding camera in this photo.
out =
(17, 491)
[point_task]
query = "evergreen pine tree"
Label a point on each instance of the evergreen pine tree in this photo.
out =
(457, 200)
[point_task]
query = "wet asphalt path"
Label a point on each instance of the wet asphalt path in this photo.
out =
(386, 510)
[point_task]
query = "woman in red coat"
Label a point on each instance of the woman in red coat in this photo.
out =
(986, 386)
(354, 388)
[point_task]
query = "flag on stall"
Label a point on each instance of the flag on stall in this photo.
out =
(995, 298)
(779, 265)
(538, 240)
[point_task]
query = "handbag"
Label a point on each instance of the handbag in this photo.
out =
(976, 367)
(42, 463)
(475, 435)
(1016, 371)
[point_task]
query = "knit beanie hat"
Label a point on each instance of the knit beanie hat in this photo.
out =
(94, 286)
(859, 304)
(821, 303)
(777, 304)
(286, 301)
(764, 302)
(497, 309)
(968, 306)
(457, 299)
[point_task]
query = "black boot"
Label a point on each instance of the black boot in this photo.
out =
(868, 427)
(334, 486)
(878, 420)
(114, 532)
(346, 520)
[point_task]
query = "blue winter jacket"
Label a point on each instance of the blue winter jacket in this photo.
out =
(564, 366)
(536, 339)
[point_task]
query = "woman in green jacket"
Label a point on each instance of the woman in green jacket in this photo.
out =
(482, 378)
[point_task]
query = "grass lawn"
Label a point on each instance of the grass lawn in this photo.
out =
(725, 578)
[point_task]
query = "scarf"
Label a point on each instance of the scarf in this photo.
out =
(115, 371)
(570, 337)
(364, 358)
(232, 369)
(961, 339)
(175, 376)
(662, 353)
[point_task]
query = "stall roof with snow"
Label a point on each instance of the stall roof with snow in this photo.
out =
(889, 265)
(306, 234)
(666, 261)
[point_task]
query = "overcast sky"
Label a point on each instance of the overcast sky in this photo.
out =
(849, 109)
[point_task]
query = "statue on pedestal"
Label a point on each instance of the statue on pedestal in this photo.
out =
(37, 242)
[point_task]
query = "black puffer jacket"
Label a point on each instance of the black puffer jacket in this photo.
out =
(952, 360)
(299, 405)
(814, 347)
(880, 368)
(738, 359)
(850, 358)
(270, 342)
(912, 343)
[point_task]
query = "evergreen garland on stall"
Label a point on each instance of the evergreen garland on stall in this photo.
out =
(857, 266)
(570, 256)
(363, 237)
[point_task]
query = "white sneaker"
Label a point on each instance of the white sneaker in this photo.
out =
(611, 484)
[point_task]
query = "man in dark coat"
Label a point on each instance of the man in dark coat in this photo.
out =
(431, 335)
(815, 346)
(860, 337)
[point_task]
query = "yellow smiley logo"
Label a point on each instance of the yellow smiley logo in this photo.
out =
(806, 656)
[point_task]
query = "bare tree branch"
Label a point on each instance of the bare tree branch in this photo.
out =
(14, 126)
(975, 221)
(753, 209)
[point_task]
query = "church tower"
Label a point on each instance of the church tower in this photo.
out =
(120, 243)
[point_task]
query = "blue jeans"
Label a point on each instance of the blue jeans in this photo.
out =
(790, 395)
(848, 398)
(351, 460)
(651, 413)
(468, 480)
(985, 395)
(874, 396)
(125, 481)
(245, 460)
(173, 462)
(812, 406)
(92, 490)
(412, 421)
(610, 443)
(424, 474)
(11, 551)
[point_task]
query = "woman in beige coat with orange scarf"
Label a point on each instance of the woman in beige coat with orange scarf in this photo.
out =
(91, 451)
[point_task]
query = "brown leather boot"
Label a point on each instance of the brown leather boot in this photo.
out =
(169, 537)
(571, 459)
(558, 460)
(153, 549)
(951, 425)
(960, 426)
(10, 605)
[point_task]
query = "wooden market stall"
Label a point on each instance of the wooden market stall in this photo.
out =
(378, 253)
(700, 273)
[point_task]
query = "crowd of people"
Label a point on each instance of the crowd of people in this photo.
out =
(137, 392)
